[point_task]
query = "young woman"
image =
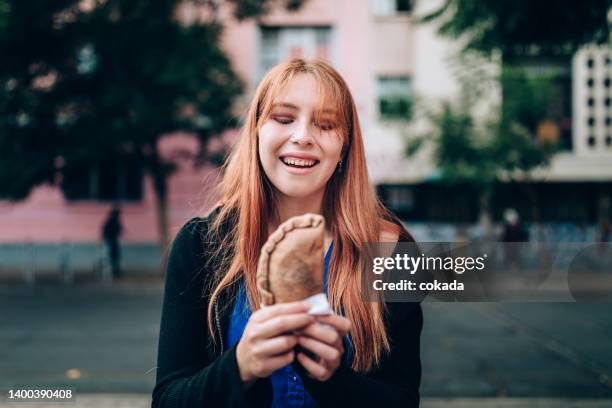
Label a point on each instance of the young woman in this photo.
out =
(300, 151)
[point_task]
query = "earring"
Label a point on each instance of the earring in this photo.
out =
(340, 166)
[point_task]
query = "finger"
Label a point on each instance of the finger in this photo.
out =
(323, 350)
(274, 363)
(268, 312)
(340, 323)
(275, 346)
(322, 332)
(283, 324)
(316, 370)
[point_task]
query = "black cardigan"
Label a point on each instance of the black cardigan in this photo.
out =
(192, 372)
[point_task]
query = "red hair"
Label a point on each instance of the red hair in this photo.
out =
(350, 206)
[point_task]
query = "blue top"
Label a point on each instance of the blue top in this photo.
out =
(287, 386)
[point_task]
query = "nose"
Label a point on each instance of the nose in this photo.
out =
(302, 134)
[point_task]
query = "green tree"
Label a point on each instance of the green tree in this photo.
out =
(92, 81)
(503, 145)
(515, 140)
(524, 27)
(4, 8)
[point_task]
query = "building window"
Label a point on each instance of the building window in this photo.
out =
(282, 43)
(394, 97)
(593, 118)
(549, 84)
(108, 180)
(591, 141)
(590, 62)
(390, 7)
(400, 197)
(269, 49)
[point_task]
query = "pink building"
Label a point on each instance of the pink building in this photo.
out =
(387, 59)
(369, 42)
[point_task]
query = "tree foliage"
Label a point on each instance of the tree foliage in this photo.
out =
(85, 81)
(524, 27)
(526, 130)
(480, 151)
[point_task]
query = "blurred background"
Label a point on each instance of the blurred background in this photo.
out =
(482, 120)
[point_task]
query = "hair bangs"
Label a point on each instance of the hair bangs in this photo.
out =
(332, 106)
(273, 86)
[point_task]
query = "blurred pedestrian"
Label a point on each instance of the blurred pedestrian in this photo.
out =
(604, 231)
(514, 232)
(603, 236)
(111, 231)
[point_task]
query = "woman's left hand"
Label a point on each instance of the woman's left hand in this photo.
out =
(324, 339)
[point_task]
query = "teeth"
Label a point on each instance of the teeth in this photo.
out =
(299, 162)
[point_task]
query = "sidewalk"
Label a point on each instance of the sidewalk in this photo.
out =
(144, 401)
(472, 353)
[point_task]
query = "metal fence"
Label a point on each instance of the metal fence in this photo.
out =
(67, 262)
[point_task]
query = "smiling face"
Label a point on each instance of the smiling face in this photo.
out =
(300, 142)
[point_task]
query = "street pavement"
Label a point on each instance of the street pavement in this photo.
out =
(100, 340)
(144, 401)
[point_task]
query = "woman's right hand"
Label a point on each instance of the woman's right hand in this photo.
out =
(268, 341)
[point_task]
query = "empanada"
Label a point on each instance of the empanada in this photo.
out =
(292, 261)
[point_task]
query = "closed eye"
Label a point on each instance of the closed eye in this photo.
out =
(283, 120)
(325, 125)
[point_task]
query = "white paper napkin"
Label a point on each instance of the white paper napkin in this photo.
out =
(318, 305)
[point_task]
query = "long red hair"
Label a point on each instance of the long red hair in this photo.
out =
(350, 206)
